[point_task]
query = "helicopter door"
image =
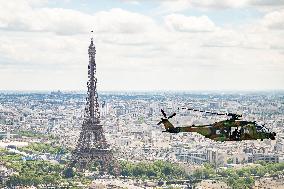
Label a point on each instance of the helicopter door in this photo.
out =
(233, 129)
(235, 133)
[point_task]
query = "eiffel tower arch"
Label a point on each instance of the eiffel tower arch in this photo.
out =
(92, 146)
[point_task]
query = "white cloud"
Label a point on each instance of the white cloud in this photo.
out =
(26, 17)
(134, 2)
(121, 21)
(274, 20)
(183, 23)
(268, 3)
(174, 6)
(218, 4)
(41, 46)
(167, 6)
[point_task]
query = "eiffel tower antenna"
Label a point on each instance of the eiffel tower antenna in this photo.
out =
(92, 34)
(92, 146)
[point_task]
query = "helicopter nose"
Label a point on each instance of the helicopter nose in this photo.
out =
(274, 133)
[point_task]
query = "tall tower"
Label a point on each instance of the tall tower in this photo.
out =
(92, 146)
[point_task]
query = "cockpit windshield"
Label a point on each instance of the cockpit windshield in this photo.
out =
(261, 128)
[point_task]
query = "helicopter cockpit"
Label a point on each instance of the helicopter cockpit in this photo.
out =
(262, 129)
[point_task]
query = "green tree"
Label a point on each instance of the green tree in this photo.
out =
(69, 172)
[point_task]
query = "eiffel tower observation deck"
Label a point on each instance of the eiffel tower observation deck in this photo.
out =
(92, 147)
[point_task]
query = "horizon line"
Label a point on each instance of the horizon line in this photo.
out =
(148, 91)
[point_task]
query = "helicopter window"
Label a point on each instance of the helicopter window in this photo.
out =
(258, 128)
(261, 128)
(218, 132)
(246, 130)
(264, 129)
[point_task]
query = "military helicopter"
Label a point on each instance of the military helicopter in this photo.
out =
(231, 129)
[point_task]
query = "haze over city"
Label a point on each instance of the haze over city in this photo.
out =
(142, 45)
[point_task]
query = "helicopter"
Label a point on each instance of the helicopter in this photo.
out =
(231, 129)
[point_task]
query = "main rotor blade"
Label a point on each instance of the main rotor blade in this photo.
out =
(221, 114)
(164, 114)
(172, 115)
(197, 110)
(236, 116)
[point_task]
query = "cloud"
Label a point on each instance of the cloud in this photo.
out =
(120, 21)
(133, 2)
(274, 20)
(40, 50)
(219, 4)
(167, 6)
(174, 6)
(266, 2)
(38, 42)
(27, 17)
(183, 23)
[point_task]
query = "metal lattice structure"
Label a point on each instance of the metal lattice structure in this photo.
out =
(92, 146)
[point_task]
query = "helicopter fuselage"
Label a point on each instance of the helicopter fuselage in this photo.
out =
(228, 130)
(232, 129)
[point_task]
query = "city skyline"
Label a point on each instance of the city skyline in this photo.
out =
(52, 122)
(178, 45)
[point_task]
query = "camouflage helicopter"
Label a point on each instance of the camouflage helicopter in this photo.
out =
(231, 129)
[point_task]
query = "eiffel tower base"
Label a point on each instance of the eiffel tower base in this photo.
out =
(102, 157)
(92, 148)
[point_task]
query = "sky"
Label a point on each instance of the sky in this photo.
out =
(143, 44)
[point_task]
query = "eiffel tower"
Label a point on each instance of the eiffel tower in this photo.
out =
(92, 147)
